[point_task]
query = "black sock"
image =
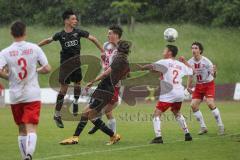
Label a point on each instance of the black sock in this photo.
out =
(102, 126)
(77, 92)
(81, 125)
(59, 103)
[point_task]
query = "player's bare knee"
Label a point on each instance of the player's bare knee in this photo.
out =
(22, 130)
(176, 114)
(210, 104)
(109, 115)
(157, 113)
(194, 107)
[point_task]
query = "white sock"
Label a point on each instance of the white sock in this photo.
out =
(22, 142)
(31, 143)
(199, 118)
(157, 126)
(182, 123)
(112, 124)
(217, 116)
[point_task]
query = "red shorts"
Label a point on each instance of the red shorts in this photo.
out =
(204, 89)
(115, 96)
(163, 106)
(24, 113)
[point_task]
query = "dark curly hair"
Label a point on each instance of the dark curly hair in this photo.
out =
(124, 46)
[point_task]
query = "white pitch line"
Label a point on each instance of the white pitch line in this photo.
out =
(125, 148)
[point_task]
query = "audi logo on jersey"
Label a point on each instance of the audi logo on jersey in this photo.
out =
(71, 43)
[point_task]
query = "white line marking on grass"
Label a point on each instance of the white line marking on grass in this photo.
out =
(127, 148)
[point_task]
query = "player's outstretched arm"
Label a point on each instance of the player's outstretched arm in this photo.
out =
(97, 43)
(45, 41)
(145, 67)
(44, 69)
(100, 77)
(184, 61)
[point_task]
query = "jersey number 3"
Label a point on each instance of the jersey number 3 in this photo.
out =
(23, 63)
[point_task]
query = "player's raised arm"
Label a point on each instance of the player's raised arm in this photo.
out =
(97, 43)
(184, 61)
(45, 41)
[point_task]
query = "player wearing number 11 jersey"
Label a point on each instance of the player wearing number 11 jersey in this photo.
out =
(172, 92)
(205, 73)
(22, 58)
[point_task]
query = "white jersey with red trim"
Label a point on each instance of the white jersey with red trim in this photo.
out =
(110, 49)
(172, 71)
(21, 59)
(203, 69)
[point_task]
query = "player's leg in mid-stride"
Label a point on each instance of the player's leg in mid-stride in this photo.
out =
(216, 113)
(77, 93)
(108, 110)
(175, 108)
(181, 120)
(198, 115)
(59, 104)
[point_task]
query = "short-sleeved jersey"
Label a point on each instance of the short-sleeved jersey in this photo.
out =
(70, 42)
(22, 59)
(110, 50)
(171, 79)
(203, 69)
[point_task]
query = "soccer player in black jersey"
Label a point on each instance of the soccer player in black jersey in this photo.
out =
(103, 94)
(70, 64)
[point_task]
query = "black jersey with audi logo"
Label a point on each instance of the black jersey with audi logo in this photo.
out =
(70, 43)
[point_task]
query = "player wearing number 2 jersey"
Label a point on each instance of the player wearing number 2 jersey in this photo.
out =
(172, 71)
(204, 73)
(21, 58)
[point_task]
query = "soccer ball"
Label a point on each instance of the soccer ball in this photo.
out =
(170, 34)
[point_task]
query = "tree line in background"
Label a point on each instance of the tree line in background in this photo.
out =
(48, 12)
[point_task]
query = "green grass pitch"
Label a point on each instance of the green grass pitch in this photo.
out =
(135, 126)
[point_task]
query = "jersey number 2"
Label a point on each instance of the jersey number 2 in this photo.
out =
(23, 63)
(175, 74)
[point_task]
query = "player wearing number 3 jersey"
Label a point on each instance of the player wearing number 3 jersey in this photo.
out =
(171, 92)
(205, 72)
(22, 58)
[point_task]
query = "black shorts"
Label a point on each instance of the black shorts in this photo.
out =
(70, 71)
(66, 77)
(101, 96)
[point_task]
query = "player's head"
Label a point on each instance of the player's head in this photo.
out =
(124, 47)
(70, 18)
(197, 48)
(114, 33)
(170, 51)
(18, 29)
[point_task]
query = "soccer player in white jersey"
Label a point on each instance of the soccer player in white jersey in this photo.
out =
(22, 59)
(110, 49)
(205, 73)
(172, 71)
